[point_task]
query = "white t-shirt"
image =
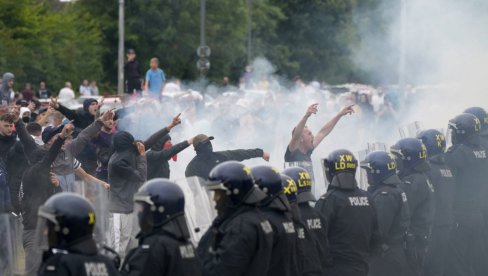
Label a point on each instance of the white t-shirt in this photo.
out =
(377, 101)
(66, 94)
(85, 90)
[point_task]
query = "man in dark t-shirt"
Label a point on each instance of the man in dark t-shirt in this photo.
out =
(303, 141)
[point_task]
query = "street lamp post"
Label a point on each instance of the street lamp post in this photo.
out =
(203, 51)
(249, 31)
(403, 44)
(120, 73)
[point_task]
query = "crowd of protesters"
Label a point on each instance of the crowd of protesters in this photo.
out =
(45, 149)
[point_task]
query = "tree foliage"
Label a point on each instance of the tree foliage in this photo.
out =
(316, 39)
(41, 41)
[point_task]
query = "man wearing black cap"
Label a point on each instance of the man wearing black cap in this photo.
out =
(207, 159)
(132, 74)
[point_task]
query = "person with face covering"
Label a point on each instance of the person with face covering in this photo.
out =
(207, 159)
(159, 155)
(25, 114)
(6, 88)
(303, 142)
(127, 171)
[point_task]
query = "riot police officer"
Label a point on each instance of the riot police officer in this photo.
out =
(393, 214)
(468, 162)
(442, 179)
(352, 222)
(307, 253)
(164, 246)
(482, 115)
(240, 240)
(411, 159)
(66, 222)
(278, 211)
(313, 219)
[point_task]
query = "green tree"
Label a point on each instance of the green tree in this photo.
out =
(40, 41)
(170, 30)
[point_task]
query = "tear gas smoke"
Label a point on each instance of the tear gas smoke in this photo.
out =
(446, 62)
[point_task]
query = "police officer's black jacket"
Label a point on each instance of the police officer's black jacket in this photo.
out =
(309, 261)
(468, 163)
(157, 160)
(36, 184)
(204, 162)
(284, 258)
(352, 225)
(162, 253)
(441, 177)
(393, 212)
(420, 195)
(80, 259)
(316, 224)
(238, 243)
(484, 144)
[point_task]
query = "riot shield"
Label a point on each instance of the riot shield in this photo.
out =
(363, 177)
(11, 252)
(199, 208)
(411, 130)
(98, 196)
(317, 190)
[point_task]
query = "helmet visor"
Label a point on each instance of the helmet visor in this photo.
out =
(326, 171)
(365, 174)
(215, 185)
(47, 225)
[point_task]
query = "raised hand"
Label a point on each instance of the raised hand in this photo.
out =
(176, 121)
(140, 148)
(67, 130)
(347, 110)
(54, 103)
(107, 116)
(312, 109)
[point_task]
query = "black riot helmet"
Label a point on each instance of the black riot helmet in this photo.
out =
(158, 202)
(410, 154)
(66, 218)
(434, 141)
(303, 181)
(268, 180)
(481, 114)
(465, 128)
(236, 180)
(289, 188)
(380, 168)
(340, 169)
